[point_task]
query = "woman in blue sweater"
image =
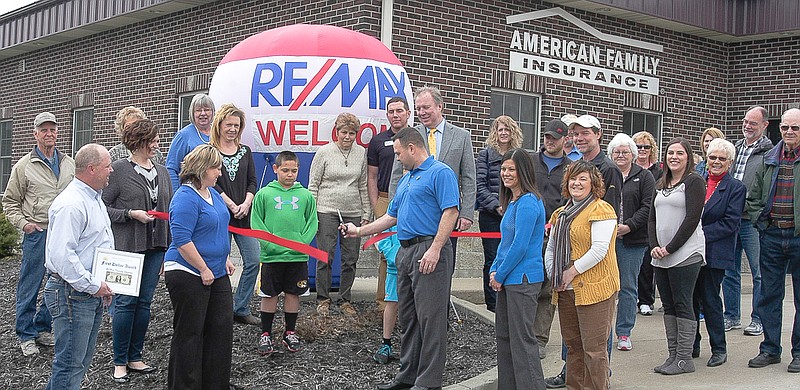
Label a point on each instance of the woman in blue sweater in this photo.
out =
(504, 135)
(517, 274)
(196, 271)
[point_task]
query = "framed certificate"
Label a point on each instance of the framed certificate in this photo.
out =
(122, 271)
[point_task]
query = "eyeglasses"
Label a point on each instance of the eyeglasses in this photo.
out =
(717, 158)
(621, 153)
(647, 147)
(794, 128)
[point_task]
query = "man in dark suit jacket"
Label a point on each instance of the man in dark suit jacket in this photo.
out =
(453, 147)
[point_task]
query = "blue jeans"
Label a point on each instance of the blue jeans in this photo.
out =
(779, 255)
(76, 321)
(132, 314)
(629, 260)
(489, 222)
(250, 250)
(732, 283)
(31, 321)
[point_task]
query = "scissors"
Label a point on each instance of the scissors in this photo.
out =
(341, 222)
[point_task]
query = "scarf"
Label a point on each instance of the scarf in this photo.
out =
(560, 233)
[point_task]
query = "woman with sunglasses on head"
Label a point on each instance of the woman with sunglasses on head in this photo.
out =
(647, 158)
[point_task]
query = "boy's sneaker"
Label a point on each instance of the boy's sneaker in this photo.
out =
(383, 355)
(324, 307)
(292, 342)
(624, 343)
(645, 310)
(731, 325)
(265, 346)
(348, 308)
(29, 348)
(754, 329)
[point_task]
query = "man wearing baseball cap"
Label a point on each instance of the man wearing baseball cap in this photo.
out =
(570, 150)
(549, 164)
(35, 181)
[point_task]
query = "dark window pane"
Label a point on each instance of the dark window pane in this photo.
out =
(511, 106)
(497, 105)
(528, 135)
(528, 109)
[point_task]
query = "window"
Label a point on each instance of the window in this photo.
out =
(636, 121)
(5, 153)
(82, 127)
(183, 108)
(524, 109)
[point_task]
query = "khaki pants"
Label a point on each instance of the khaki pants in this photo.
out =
(585, 331)
(380, 209)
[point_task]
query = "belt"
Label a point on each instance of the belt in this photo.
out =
(782, 224)
(56, 276)
(382, 194)
(415, 240)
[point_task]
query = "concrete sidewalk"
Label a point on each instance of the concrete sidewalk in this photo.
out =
(634, 369)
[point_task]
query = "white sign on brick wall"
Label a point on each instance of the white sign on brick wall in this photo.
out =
(568, 59)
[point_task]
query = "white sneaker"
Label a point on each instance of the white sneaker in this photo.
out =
(624, 343)
(29, 348)
(645, 310)
(46, 339)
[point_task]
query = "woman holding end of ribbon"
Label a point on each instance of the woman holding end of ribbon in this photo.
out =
(582, 264)
(517, 274)
(136, 186)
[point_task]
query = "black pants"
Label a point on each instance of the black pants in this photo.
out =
(488, 222)
(647, 287)
(200, 353)
(676, 285)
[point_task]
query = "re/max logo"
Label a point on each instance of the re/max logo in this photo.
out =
(381, 84)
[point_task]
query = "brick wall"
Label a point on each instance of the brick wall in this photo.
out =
(763, 73)
(460, 46)
(141, 64)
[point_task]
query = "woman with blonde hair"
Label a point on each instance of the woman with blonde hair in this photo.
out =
(647, 158)
(237, 186)
(708, 135)
(504, 135)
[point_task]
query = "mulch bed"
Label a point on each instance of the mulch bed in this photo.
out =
(337, 354)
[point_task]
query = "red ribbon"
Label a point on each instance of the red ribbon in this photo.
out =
(266, 236)
(381, 236)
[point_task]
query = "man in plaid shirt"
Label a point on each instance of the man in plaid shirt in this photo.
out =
(774, 207)
(750, 152)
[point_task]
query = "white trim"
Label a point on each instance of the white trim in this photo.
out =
(557, 11)
(387, 16)
(75, 129)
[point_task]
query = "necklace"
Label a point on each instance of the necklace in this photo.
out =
(343, 155)
(200, 135)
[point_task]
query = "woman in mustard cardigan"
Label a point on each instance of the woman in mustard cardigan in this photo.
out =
(582, 264)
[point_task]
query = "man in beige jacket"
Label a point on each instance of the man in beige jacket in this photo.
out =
(35, 181)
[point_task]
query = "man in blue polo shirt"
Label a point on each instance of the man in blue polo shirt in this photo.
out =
(425, 209)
